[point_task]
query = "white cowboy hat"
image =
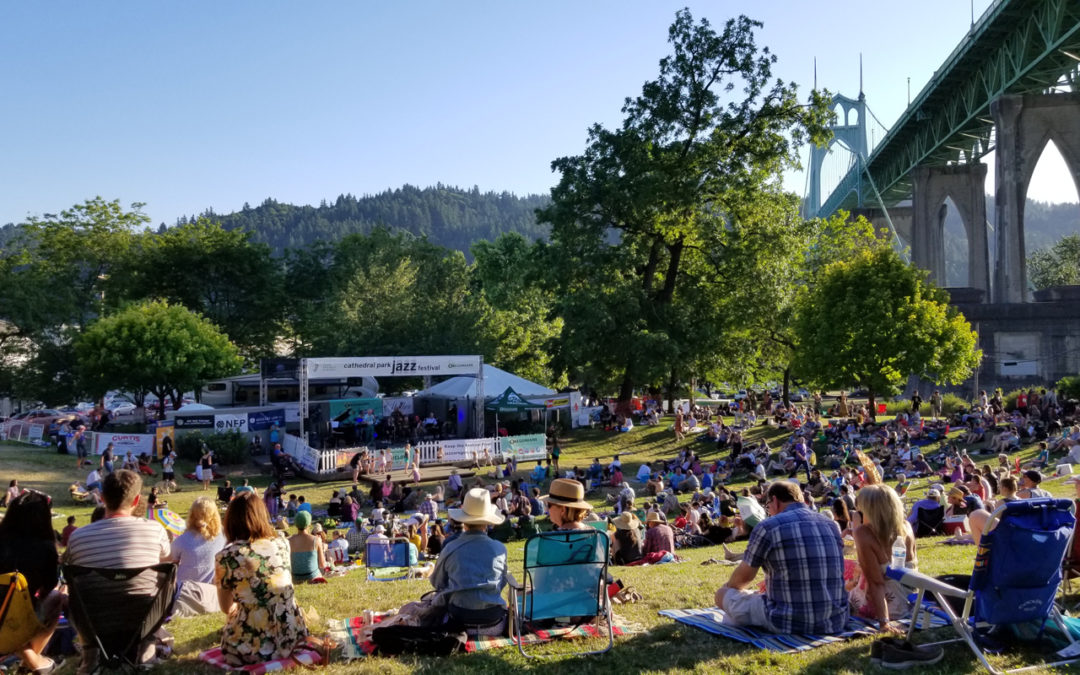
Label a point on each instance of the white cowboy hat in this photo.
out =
(476, 509)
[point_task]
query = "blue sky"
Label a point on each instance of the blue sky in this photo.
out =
(192, 105)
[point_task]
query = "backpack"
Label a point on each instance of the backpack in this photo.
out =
(421, 640)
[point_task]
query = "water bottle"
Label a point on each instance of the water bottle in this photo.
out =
(899, 552)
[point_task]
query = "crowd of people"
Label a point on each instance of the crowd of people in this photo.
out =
(820, 492)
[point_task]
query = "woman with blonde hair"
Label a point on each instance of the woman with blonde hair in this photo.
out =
(194, 552)
(875, 596)
(566, 505)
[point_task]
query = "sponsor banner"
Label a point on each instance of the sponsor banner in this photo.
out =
(348, 409)
(561, 402)
(381, 366)
(163, 430)
(261, 421)
(402, 404)
(35, 432)
(135, 443)
(194, 422)
(532, 446)
(455, 450)
(226, 423)
(292, 413)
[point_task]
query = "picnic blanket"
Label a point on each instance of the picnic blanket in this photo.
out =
(306, 655)
(346, 632)
(711, 620)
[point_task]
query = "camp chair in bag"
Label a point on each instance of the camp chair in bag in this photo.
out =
(390, 555)
(117, 610)
(1016, 576)
(18, 622)
(565, 577)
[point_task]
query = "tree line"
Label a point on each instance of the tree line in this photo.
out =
(673, 255)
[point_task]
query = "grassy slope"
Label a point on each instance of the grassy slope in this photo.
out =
(665, 647)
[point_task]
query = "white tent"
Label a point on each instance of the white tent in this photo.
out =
(495, 383)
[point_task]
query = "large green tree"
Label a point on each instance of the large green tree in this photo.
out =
(873, 320)
(634, 216)
(153, 348)
(522, 330)
(221, 274)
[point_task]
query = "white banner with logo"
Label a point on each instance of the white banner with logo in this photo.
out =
(226, 423)
(135, 443)
(305, 456)
(376, 366)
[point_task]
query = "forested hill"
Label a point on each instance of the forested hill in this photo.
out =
(448, 216)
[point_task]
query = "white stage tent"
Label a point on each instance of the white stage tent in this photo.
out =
(495, 383)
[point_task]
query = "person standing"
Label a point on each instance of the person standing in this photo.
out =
(916, 402)
(107, 458)
(206, 462)
(80, 445)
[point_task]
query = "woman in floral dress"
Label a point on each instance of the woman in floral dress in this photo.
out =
(255, 588)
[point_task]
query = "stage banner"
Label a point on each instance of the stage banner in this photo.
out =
(226, 423)
(261, 421)
(135, 443)
(532, 446)
(194, 421)
(402, 404)
(381, 366)
(163, 430)
(348, 409)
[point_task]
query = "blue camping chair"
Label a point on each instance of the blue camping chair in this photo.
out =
(565, 579)
(390, 555)
(1016, 576)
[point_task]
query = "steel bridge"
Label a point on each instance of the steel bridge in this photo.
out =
(1016, 47)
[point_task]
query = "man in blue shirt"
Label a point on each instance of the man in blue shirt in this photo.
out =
(803, 557)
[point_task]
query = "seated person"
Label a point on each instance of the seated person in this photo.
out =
(28, 545)
(263, 621)
(304, 551)
(194, 552)
(471, 572)
(120, 540)
(225, 492)
(627, 545)
(798, 598)
(643, 473)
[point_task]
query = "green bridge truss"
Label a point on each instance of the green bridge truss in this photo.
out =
(1016, 47)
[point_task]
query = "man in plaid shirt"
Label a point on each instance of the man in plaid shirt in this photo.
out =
(429, 508)
(803, 557)
(357, 535)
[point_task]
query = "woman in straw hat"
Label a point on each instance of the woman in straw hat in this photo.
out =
(566, 505)
(626, 545)
(471, 572)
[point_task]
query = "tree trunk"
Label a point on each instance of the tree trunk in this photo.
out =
(786, 392)
(672, 274)
(871, 404)
(626, 394)
(671, 393)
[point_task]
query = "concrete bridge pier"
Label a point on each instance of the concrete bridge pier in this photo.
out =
(965, 184)
(1025, 123)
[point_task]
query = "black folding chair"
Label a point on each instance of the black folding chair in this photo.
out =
(930, 522)
(117, 610)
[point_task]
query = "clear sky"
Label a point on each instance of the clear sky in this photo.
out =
(203, 104)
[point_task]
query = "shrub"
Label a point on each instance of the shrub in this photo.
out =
(229, 447)
(1068, 387)
(950, 403)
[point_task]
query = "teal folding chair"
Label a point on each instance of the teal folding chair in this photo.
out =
(387, 559)
(565, 579)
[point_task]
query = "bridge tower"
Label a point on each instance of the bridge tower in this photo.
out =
(851, 134)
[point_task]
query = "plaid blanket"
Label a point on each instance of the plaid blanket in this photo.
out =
(346, 633)
(711, 621)
(305, 655)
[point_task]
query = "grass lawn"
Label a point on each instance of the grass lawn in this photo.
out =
(663, 646)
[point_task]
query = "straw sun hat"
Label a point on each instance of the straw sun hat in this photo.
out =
(477, 509)
(626, 521)
(566, 492)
